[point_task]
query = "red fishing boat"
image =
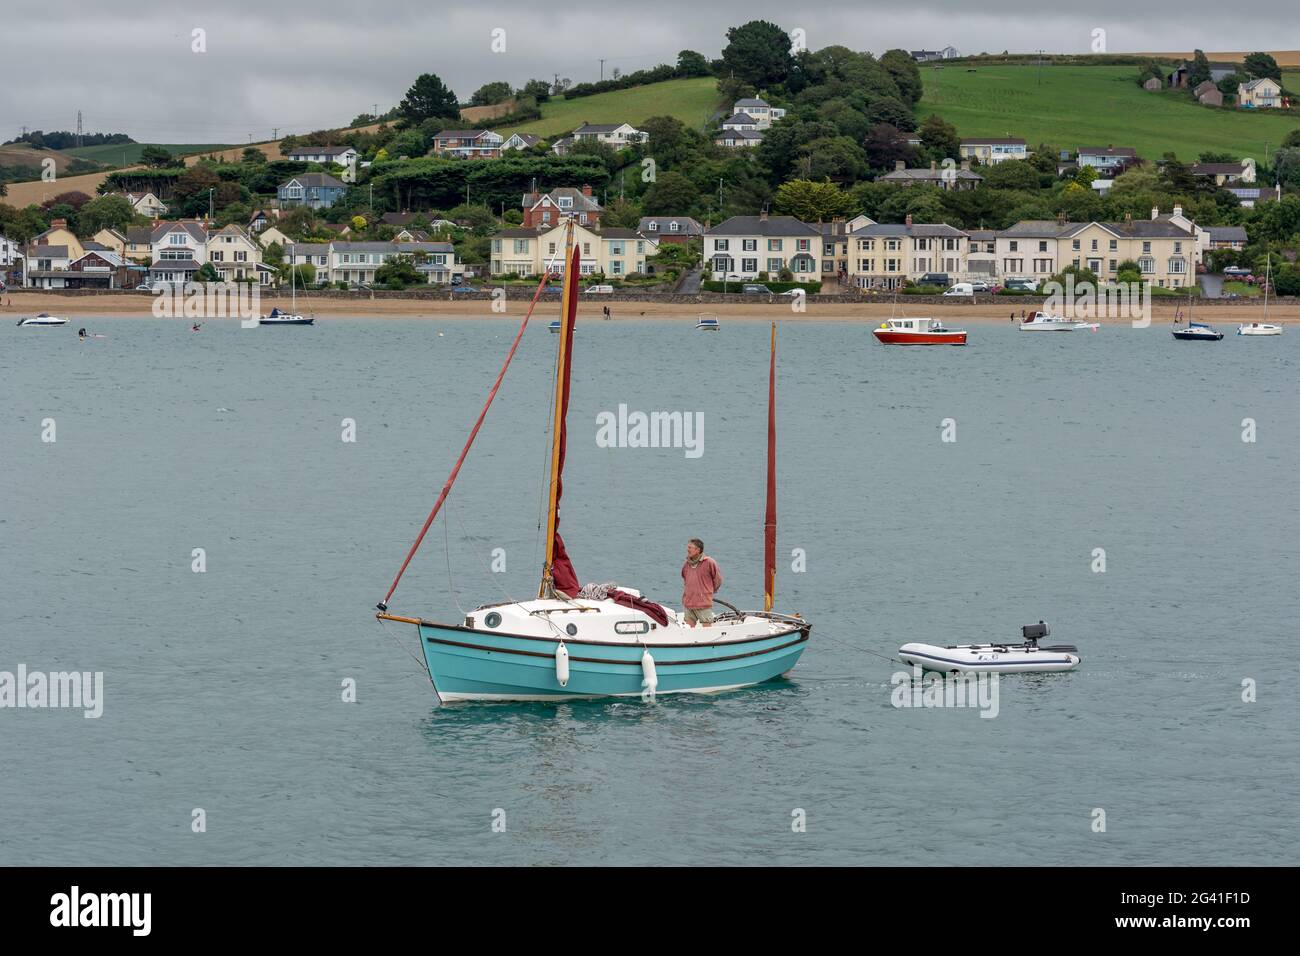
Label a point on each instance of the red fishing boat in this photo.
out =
(918, 332)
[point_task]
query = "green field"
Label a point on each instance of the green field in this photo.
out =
(1077, 106)
(129, 153)
(692, 101)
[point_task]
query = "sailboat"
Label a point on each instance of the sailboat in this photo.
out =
(1265, 327)
(292, 317)
(573, 642)
(1195, 331)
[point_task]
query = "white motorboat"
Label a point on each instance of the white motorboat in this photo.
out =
(1046, 322)
(1265, 327)
(708, 323)
(44, 319)
(1027, 657)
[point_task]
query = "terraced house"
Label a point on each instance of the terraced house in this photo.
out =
(237, 258)
(743, 247)
(610, 252)
(355, 262)
(1164, 247)
(887, 255)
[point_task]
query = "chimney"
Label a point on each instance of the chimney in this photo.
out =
(1060, 218)
(1178, 210)
(58, 224)
(908, 220)
(965, 164)
(1128, 218)
(899, 165)
(586, 189)
(932, 166)
(762, 216)
(1155, 212)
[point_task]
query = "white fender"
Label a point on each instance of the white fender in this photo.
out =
(562, 664)
(650, 679)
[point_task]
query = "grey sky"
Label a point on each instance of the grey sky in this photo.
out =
(320, 64)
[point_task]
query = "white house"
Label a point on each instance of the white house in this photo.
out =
(1107, 158)
(991, 150)
(10, 252)
(521, 141)
(46, 266)
(339, 155)
(617, 135)
(744, 246)
(355, 262)
(179, 249)
(738, 138)
(762, 112)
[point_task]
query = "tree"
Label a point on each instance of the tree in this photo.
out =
(671, 195)
(667, 138)
(156, 156)
(398, 273)
(1229, 84)
(358, 223)
(906, 74)
(758, 52)
(490, 94)
(1128, 271)
(539, 90)
(690, 63)
(887, 144)
(1292, 138)
(811, 201)
(1262, 64)
(428, 98)
(1199, 71)
(207, 273)
(940, 138)
(75, 199)
(252, 154)
(1150, 70)
(887, 109)
(106, 212)
(838, 158)
(621, 213)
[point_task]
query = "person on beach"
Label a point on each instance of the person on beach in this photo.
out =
(701, 578)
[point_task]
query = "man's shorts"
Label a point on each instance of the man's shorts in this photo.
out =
(703, 615)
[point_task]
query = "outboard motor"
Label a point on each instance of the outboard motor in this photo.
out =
(1032, 632)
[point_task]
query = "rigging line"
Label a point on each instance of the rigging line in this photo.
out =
(486, 569)
(422, 665)
(446, 488)
(446, 541)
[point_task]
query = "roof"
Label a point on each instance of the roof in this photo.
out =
(1228, 233)
(739, 118)
(1204, 87)
(321, 150)
(925, 229)
(982, 235)
(619, 232)
(600, 127)
(739, 134)
(529, 139)
(748, 101)
(112, 258)
(992, 141)
(758, 226)
(172, 265)
(139, 235)
(581, 201)
(1258, 81)
(1107, 151)
(324, 180)
(926, 173)
(685, 224)
(399, 247)
(195, 228)
(1217, 169)
(462, 133)
(516, 233)
(47, 252)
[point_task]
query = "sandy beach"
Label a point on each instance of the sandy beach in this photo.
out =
(18, 304)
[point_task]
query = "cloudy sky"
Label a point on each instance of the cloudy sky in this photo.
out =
(319, 64)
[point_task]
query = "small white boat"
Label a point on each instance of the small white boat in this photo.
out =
(555, 326)
(1045, 322)
(44, 319)
(708, 323)
(1027, 657)
(1262, 328)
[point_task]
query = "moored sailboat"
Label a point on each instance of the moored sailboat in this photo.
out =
(293, 317)
(602, 640)
(1265, 327)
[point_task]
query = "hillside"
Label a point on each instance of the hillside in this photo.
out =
(1092, 106)
(691, 100)
(128, 153)
(1284, 58)
(23, 154)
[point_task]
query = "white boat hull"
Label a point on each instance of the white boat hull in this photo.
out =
(1261, 329)
(42, 322)
(987, 658)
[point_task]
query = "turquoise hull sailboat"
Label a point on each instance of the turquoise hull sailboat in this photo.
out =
(602, 640)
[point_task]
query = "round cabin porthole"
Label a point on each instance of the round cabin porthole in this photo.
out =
(492, 620)
(572, 629)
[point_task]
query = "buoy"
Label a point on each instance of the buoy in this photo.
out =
(562, 665)
(649, 679)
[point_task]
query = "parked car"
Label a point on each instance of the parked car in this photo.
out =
(1236, 271)
(464, 288)
(979, 285)
(794, 292)
(961, 288)
(1021, 285)
(599, 289)
(935, 278)
(755, 288)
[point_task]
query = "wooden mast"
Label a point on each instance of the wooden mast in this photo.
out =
(569, 300)
(769, 520)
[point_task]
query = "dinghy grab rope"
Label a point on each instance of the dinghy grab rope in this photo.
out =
(446, 488)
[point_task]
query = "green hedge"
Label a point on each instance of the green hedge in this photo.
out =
(712, 285)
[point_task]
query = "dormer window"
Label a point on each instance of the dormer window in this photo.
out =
(177, 239)
(566, 202)
(653, 227)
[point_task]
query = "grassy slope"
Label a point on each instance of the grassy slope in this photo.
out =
(113, 154)
(692, 101)
(1093, 106)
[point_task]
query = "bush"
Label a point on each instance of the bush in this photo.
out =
(735, 286)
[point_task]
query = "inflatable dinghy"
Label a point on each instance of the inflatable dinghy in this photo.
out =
(1028, 657)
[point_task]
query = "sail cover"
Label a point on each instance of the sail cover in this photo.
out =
(564, 578)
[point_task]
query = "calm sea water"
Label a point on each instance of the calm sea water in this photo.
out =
(223, 688)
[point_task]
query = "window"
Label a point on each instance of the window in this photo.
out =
(720, 245)
(922, 243)
(550, 248)
(616, 267)
(546, 215)
(1013, 246)
(774, 245)
(496, 245)
(1094, 245)
(803, 245)
(177, 238)
(672, 226)
(1146, 248)
(1114, 265)
(1114, 245)
(774, 265)
(653, 226)
(640, 247)
(828, 249)
(893, 265)
(566, 202)
(1147, 265)
(521, 246)
(1075, 246)
(1042, 246)
(1178, 247)
(582, 218)
(1043, 266)
(748, 265)
(616, 248)
(586, 248)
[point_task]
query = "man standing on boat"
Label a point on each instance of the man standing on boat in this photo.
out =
(701, 579)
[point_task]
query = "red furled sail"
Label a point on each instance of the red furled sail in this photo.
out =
(559, 568)
(769, 520)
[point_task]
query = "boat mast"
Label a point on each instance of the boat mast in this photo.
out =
(769, 520)
(1268, 265)
(568, 311)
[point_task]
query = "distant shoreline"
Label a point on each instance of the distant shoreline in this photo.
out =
(19, 303)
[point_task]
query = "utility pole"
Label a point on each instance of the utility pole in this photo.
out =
(275, 132)
(602, 69)
(1040, 67)
(78, 129)
(375, 114)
